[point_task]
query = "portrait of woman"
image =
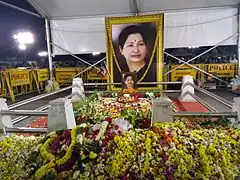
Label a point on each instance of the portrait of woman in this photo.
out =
(135, 44)
(129, 81)
(133, 49)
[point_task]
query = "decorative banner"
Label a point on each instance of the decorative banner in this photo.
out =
(222, 70)
(19, 78)
(43, 75)
(135, 44)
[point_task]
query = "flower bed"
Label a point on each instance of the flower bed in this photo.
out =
(114, 141)
(106, 151)
(135, 107)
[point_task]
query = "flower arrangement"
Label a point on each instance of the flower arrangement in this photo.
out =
(114, 140)
(134, 107)
(106, 151)
(129, 91)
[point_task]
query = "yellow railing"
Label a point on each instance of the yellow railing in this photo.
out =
(16, 82)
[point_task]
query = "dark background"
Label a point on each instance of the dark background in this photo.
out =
(12, 22)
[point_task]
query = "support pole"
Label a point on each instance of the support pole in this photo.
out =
(238, 41)
(49, 49)
(135, 6)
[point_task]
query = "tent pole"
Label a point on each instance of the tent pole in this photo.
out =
(135, 6)
(238, 41)
(49, 49)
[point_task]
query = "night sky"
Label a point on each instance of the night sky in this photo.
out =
(13, 21)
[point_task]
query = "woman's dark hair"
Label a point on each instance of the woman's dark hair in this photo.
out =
(127, 31)
(128, 75)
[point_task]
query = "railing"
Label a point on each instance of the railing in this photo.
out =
(214, 96)
(24, 112)
(40, 111)
(25, 130)
(27, 101)
(140, 83)
(208, 106)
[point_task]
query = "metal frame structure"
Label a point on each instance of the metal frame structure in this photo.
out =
(238, 30)
(40, 112)
(44, 15)
(50, 63)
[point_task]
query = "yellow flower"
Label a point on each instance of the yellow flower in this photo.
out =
(92, 155)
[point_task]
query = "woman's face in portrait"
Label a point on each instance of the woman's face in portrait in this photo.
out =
(129, 82)
(134, 49)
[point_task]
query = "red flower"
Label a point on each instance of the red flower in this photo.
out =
(108, 119)
(116, 127)
(148, 122)
(104, 142)
(120, 132)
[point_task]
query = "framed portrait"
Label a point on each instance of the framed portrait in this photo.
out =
(135, 45)
(129, 80)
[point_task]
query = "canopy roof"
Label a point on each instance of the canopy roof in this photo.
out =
(59, 9)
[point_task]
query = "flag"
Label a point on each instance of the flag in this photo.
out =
(102, 72)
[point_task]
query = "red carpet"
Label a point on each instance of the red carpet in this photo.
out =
(39, 123)
(190, 106)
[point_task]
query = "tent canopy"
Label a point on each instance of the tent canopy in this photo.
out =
(60, 9)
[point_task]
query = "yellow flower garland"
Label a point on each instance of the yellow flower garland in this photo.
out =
(46, 169)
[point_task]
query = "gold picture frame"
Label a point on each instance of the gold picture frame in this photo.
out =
(157, 50)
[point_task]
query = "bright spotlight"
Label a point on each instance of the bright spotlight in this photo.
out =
(22, 47)
(96, 53)
(42, 54)
(15, 36)
(24, 37)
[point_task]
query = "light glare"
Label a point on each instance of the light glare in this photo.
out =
(22, 47)
(24, 38)
(96, 53)
(42, 54)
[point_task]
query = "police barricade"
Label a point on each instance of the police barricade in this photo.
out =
(225, 71)
(64, 76)
(184, 70)
(15, 82)
(42, 78)
(2, 85)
